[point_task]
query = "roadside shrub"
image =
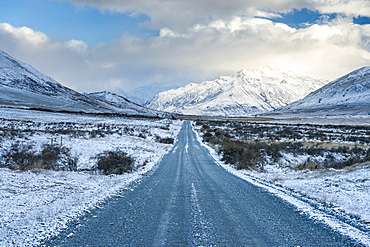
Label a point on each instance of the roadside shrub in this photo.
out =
(19, 156)
(243, 155)
(207, 136)
(115, 162)
(166, 140)
(205, 128)
(309, 164)
(141, 135)
(54, 157)
(165, 127)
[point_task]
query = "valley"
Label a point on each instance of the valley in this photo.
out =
(66, 155)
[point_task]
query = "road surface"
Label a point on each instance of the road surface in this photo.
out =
(189, 200)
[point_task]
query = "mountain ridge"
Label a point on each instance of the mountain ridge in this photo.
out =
(351, 91)
(242, 93)
(121, 102)
(21, 85)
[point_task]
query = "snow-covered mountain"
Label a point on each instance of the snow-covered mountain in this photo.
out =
(142, 95)
(243, 93)
(122, 103)
(350, 93)
(23, 86)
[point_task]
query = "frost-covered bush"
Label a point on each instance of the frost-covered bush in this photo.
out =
(115, 162)
(207, 136)
(19, 156)
(142, 135)
(55, 157)
(165, 140)
(52, 157)
(243, 155)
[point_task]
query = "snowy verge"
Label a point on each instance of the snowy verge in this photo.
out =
(37, 204)
(288, 194)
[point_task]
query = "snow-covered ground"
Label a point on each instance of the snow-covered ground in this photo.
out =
(345, 192)
(37, 204)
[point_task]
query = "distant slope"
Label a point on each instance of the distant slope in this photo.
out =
(241, 94)
(22, 85)
(142, 95)
(122, 103)
(349, 94)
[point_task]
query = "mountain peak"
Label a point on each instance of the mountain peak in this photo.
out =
(268, 71)
(243, 93)
(15, 70)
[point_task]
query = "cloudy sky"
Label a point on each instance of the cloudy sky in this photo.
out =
(93, 45)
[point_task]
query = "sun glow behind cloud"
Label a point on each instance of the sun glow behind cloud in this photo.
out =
(193, 41)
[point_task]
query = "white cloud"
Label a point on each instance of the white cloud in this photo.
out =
(265, 14)
(202, 51)
(348, 7)
(77, 46)
(179, 14)
(29, 36)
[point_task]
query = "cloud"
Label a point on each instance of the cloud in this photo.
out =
(348, 7)
(29, 37)
(77, 46)
(199, 52)
(179, 14)
(265, 14)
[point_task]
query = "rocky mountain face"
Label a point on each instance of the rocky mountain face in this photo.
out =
(350, 93)
(241, 94)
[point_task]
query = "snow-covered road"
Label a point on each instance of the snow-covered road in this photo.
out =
(189, 200)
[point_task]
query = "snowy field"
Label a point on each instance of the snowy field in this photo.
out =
(37, 204)
(343, 192)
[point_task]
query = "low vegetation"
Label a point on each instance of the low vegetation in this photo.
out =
(28, 145)
(255, 145)
(166, 140)
(115, 162)
(51, 157)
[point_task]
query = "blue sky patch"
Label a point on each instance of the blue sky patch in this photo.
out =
(361, 20)
(61, 20)
(302, 18)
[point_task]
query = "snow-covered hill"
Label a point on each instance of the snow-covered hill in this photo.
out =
(348, 94)
(22, 85)
(122, 103)
(243, 93)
